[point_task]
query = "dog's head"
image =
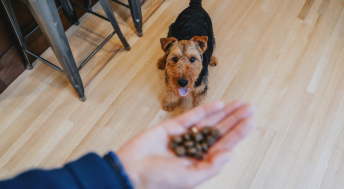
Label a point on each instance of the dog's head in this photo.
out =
(183, 62)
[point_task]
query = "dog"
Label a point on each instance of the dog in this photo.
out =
(188, 50)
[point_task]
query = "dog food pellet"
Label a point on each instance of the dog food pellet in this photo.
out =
(211, 140)
(173, 145)
(204, 147)
(192, 151)
(198, 137)
(215, 133)
(187, 136)
(180, 151)
(178, 139)
(194, 130)
(195, 143)
(199, 156)
(206, 130)
(199, 147)
(189, 144)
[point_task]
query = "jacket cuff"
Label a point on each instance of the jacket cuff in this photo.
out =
(91, 171)
(119, 170)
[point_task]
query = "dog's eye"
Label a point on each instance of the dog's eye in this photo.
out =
(175, 59)
(192, 59)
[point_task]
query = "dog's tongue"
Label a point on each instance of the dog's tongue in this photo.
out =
(183, 91)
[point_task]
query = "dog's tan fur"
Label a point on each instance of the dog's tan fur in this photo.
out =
(177, 63)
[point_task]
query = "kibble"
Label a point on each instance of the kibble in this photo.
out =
(204, 147)
(192, 151)
(195, 143)
(180, 151)
(215, 133)
(206, 130)
(211, 140)
(189, 143)
(178, 140)
(194, 130)
(187, 136)
(199, 147)
(199, 156)
(198, 137)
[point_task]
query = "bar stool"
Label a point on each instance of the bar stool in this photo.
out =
(69, 11)
(136, 13)
(135, 9)
(46, 15)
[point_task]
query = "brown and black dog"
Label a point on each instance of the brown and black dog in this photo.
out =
(188, 53)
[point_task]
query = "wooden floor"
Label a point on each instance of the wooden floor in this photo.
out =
(286, 57)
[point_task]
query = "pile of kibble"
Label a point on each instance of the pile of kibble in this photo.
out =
(195, 143)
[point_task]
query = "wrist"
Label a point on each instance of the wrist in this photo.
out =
(131, 171)
(119, 170)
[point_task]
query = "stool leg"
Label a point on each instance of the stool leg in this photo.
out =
(7, 4)
(69, 10)
(136, 14)
(109, 13)
(47, 17)
(88, 4)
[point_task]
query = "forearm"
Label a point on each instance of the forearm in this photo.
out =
(90, 171)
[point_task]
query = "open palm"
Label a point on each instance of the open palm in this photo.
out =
(151, 164)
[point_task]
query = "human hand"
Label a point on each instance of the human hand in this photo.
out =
(152, 165)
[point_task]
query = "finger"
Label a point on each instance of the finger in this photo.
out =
(187, 120)
(232, 119)
(215, 118)
(230, 140)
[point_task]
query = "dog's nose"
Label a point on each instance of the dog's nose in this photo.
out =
(182, 82)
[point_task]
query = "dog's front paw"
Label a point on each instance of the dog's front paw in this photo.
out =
(213, 61)
(169, 107)
(198, 99)
(161, 63)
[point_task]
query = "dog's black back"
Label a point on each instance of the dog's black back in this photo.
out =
(195, 21)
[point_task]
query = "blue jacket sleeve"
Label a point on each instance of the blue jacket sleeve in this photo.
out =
(88, 172)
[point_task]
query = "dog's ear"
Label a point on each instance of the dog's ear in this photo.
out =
(166, 43)
(202, 42)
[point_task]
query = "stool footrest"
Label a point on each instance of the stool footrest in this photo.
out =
(83, 63)
(89, 10)
(97, 49)
(121, 3)
(44, 61)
